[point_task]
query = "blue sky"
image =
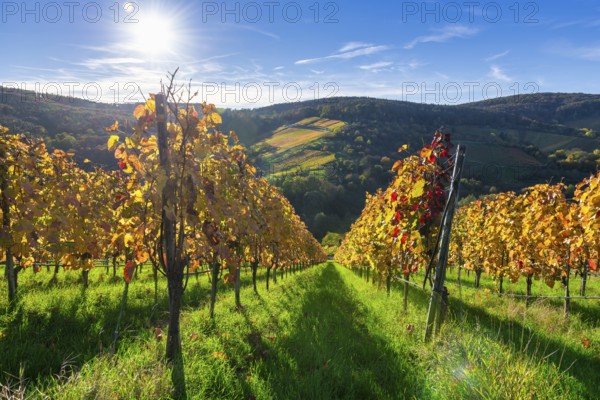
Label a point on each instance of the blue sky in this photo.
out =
(250, 54)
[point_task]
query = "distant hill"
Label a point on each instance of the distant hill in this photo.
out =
(326, 153)
(499, 136)
(570, 109)
(64, 122)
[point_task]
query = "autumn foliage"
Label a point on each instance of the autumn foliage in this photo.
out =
(537, 234)
(396, 230)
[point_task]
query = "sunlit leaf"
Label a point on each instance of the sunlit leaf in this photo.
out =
(113, 141)
(216, 118)
(113, 128)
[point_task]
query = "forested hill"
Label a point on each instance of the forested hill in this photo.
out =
(326, 153)
(64, 122)
(571, 109)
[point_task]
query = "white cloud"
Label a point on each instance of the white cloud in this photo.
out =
(344, 55)
(353, 45)
(498, 74)
(360, 52)
(497, 56)
(444, 35)
(376, 66)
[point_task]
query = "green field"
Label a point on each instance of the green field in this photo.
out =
(547, 142)
(322, 333)
(499, 155)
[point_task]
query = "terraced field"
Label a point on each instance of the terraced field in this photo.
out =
(295, 147)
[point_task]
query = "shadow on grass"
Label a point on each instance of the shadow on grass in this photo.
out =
(197, 292)
(582, 366)
(47, 340)
(331, 354)
(587, 310)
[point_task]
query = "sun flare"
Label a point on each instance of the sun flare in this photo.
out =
(154, 34)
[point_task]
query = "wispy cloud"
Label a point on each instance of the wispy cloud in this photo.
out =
(95, 63)
(443, 35)
(582, 22)
(416, 64)
(376, 66)
(497, 56)
(587, 53)
(498, 74)
(567, 24)
(257, 30)
(568, 49)
(348, 51)
(354, 45)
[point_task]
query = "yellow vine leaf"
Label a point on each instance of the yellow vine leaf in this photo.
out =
(149, 143)
(139, 111)
(426, 153)
(113, 128)
(128, 239)
(150, 105)
(216, 118)
(112, 142)
(418, 189)
(138, 196)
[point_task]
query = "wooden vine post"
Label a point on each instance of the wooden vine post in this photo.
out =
(172, 249)
(172, 258)
(7, 239)
(439, 295)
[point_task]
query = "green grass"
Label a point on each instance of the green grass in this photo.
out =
(590, 122)
(540, 332)
(547, 142)
(323, 333)
(499, 155)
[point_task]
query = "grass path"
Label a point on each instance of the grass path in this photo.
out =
(323, 333)
(335, 349)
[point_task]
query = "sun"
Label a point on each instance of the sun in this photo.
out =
(155, 34)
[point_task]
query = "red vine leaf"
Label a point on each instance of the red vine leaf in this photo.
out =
(128, 270)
